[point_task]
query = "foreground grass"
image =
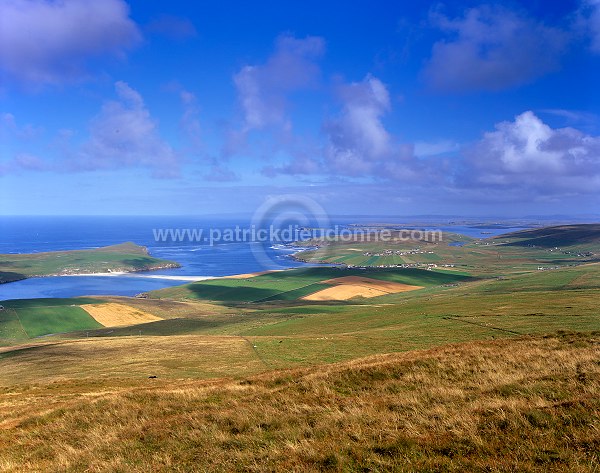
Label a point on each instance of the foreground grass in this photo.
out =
(185, 356)
(529, 404)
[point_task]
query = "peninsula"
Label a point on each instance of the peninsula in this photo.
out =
(124, 257)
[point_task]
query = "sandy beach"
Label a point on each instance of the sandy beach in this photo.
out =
(146, 276)
(173, 277)
(251, 275)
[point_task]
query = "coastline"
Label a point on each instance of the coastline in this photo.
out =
(251, 275)
(137, 275)
(22, 266)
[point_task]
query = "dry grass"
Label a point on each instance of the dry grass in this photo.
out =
(344, 292)
(348, 287)
(118, 315)
(168, 309)
(530, 404)
(135, 357)
(386, 286)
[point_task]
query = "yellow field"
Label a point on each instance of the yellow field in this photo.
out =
(118, 315)
(344, 292)
(356, 286)
(386, 286)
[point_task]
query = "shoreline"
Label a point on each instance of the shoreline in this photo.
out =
(169, 277)
(135, 274)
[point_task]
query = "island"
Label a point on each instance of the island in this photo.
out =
(122, 258)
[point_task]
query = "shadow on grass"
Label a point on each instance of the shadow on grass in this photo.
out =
(10, 276)
(179, 326)
(229, 294)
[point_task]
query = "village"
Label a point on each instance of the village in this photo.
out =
(416, 251)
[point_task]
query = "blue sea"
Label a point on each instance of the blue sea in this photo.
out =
(197, 258)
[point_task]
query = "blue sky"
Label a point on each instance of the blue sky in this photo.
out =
(397, 108)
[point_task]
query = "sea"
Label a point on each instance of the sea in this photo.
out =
(198, 258)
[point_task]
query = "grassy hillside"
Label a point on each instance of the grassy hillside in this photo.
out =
(520, 251)
(125, 257)
(527, 404)
(582, 235)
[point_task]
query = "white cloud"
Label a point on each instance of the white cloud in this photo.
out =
(51, 42)
(124, 134)
(435, 148)
(262, 89)
(527, 153)
(9, 128)
(492, 48)
(589, 19)
(357, 138)
(358, 142)
(190, 121)
(22, 162)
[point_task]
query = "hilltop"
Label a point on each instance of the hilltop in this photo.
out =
(557, 236)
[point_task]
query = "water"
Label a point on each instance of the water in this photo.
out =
(35, 234)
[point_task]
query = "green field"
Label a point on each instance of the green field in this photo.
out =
(30, 318)
(125, 257)
(294, 284)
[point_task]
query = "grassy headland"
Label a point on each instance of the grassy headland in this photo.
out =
(125, 257)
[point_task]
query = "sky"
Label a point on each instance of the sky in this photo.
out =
(367, 108)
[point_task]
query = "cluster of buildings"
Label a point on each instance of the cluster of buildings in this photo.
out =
(428, 266)
(416, 251)
(582, 254)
